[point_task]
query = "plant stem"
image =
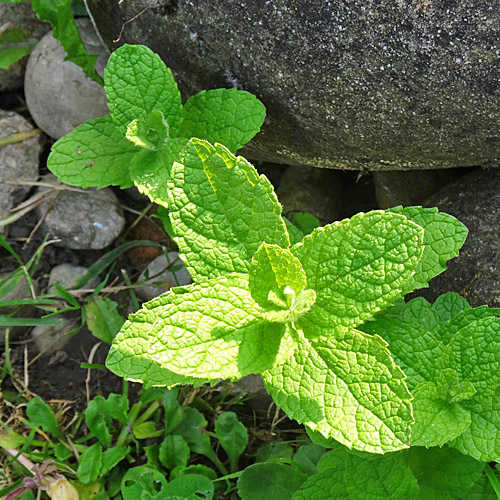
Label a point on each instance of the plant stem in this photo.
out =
(147, 413)
(21, 136)
(495, 483)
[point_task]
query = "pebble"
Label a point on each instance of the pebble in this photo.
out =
(66, 275)
(19, 162)
(83, 220)
(50, 339)
(160, 283)
(58, 94)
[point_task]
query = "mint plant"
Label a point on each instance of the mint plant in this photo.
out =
(450, 353)
(148, 126)
(291, 313)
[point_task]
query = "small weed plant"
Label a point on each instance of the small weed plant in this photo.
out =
(404, 395)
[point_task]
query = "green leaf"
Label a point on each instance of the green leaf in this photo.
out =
(308, 456)
(328, 384)
(227, 116)
(145, 430)
(15, 43)
(268, 480)
(61, 452)
(414, 341)
(188, 487)
(111, 458)
(380, 478)
(59, 15)
(295, 234)
(192, 429)
(443, 237)
(41, 415)
(306, 222)
(151, 133)
(465, 319)
(274, 451)
(137, 82)
(90, 464)
(99, 413)
(357, 267)
(174, 451)
(449, 305)
(275, 277)
(473, 353)
(442, 473)
(232, 435)
(482, 490)
(103, 320)
(481, 440)
(209, 330)
(96, 153)
(437, 421)
(150, 170)
(322, 486)
(141, 479)
(202, 470)
(174, 415)
(221, 211)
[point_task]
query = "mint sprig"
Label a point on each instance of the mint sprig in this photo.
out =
(148, 126)
(292, 314)
(450, 353)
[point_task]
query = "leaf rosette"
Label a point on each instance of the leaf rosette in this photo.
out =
(291, 313)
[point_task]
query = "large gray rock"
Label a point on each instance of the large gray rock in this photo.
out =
(351, 84)
(82, 220)
(475, 274)
(58, 94)
(19, 27)
(19, 161)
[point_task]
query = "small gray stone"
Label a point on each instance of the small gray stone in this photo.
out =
(58, 94)
(474, 199)
(19, 16)
(66, 275)
(52, 338)
(82, 220)
(312, 190)
(19, 161)
(410, 187)
(252, 387)
(160, 280)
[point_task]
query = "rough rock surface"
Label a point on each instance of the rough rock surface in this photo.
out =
(312, 190)
(18, 161)
(161, 279)
(58, 94)
(475, 274)
(19, 16)
(410, 187)
(356, 84)
(82, 220)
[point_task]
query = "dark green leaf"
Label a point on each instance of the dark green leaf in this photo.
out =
(268, 480)
(90, 464)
